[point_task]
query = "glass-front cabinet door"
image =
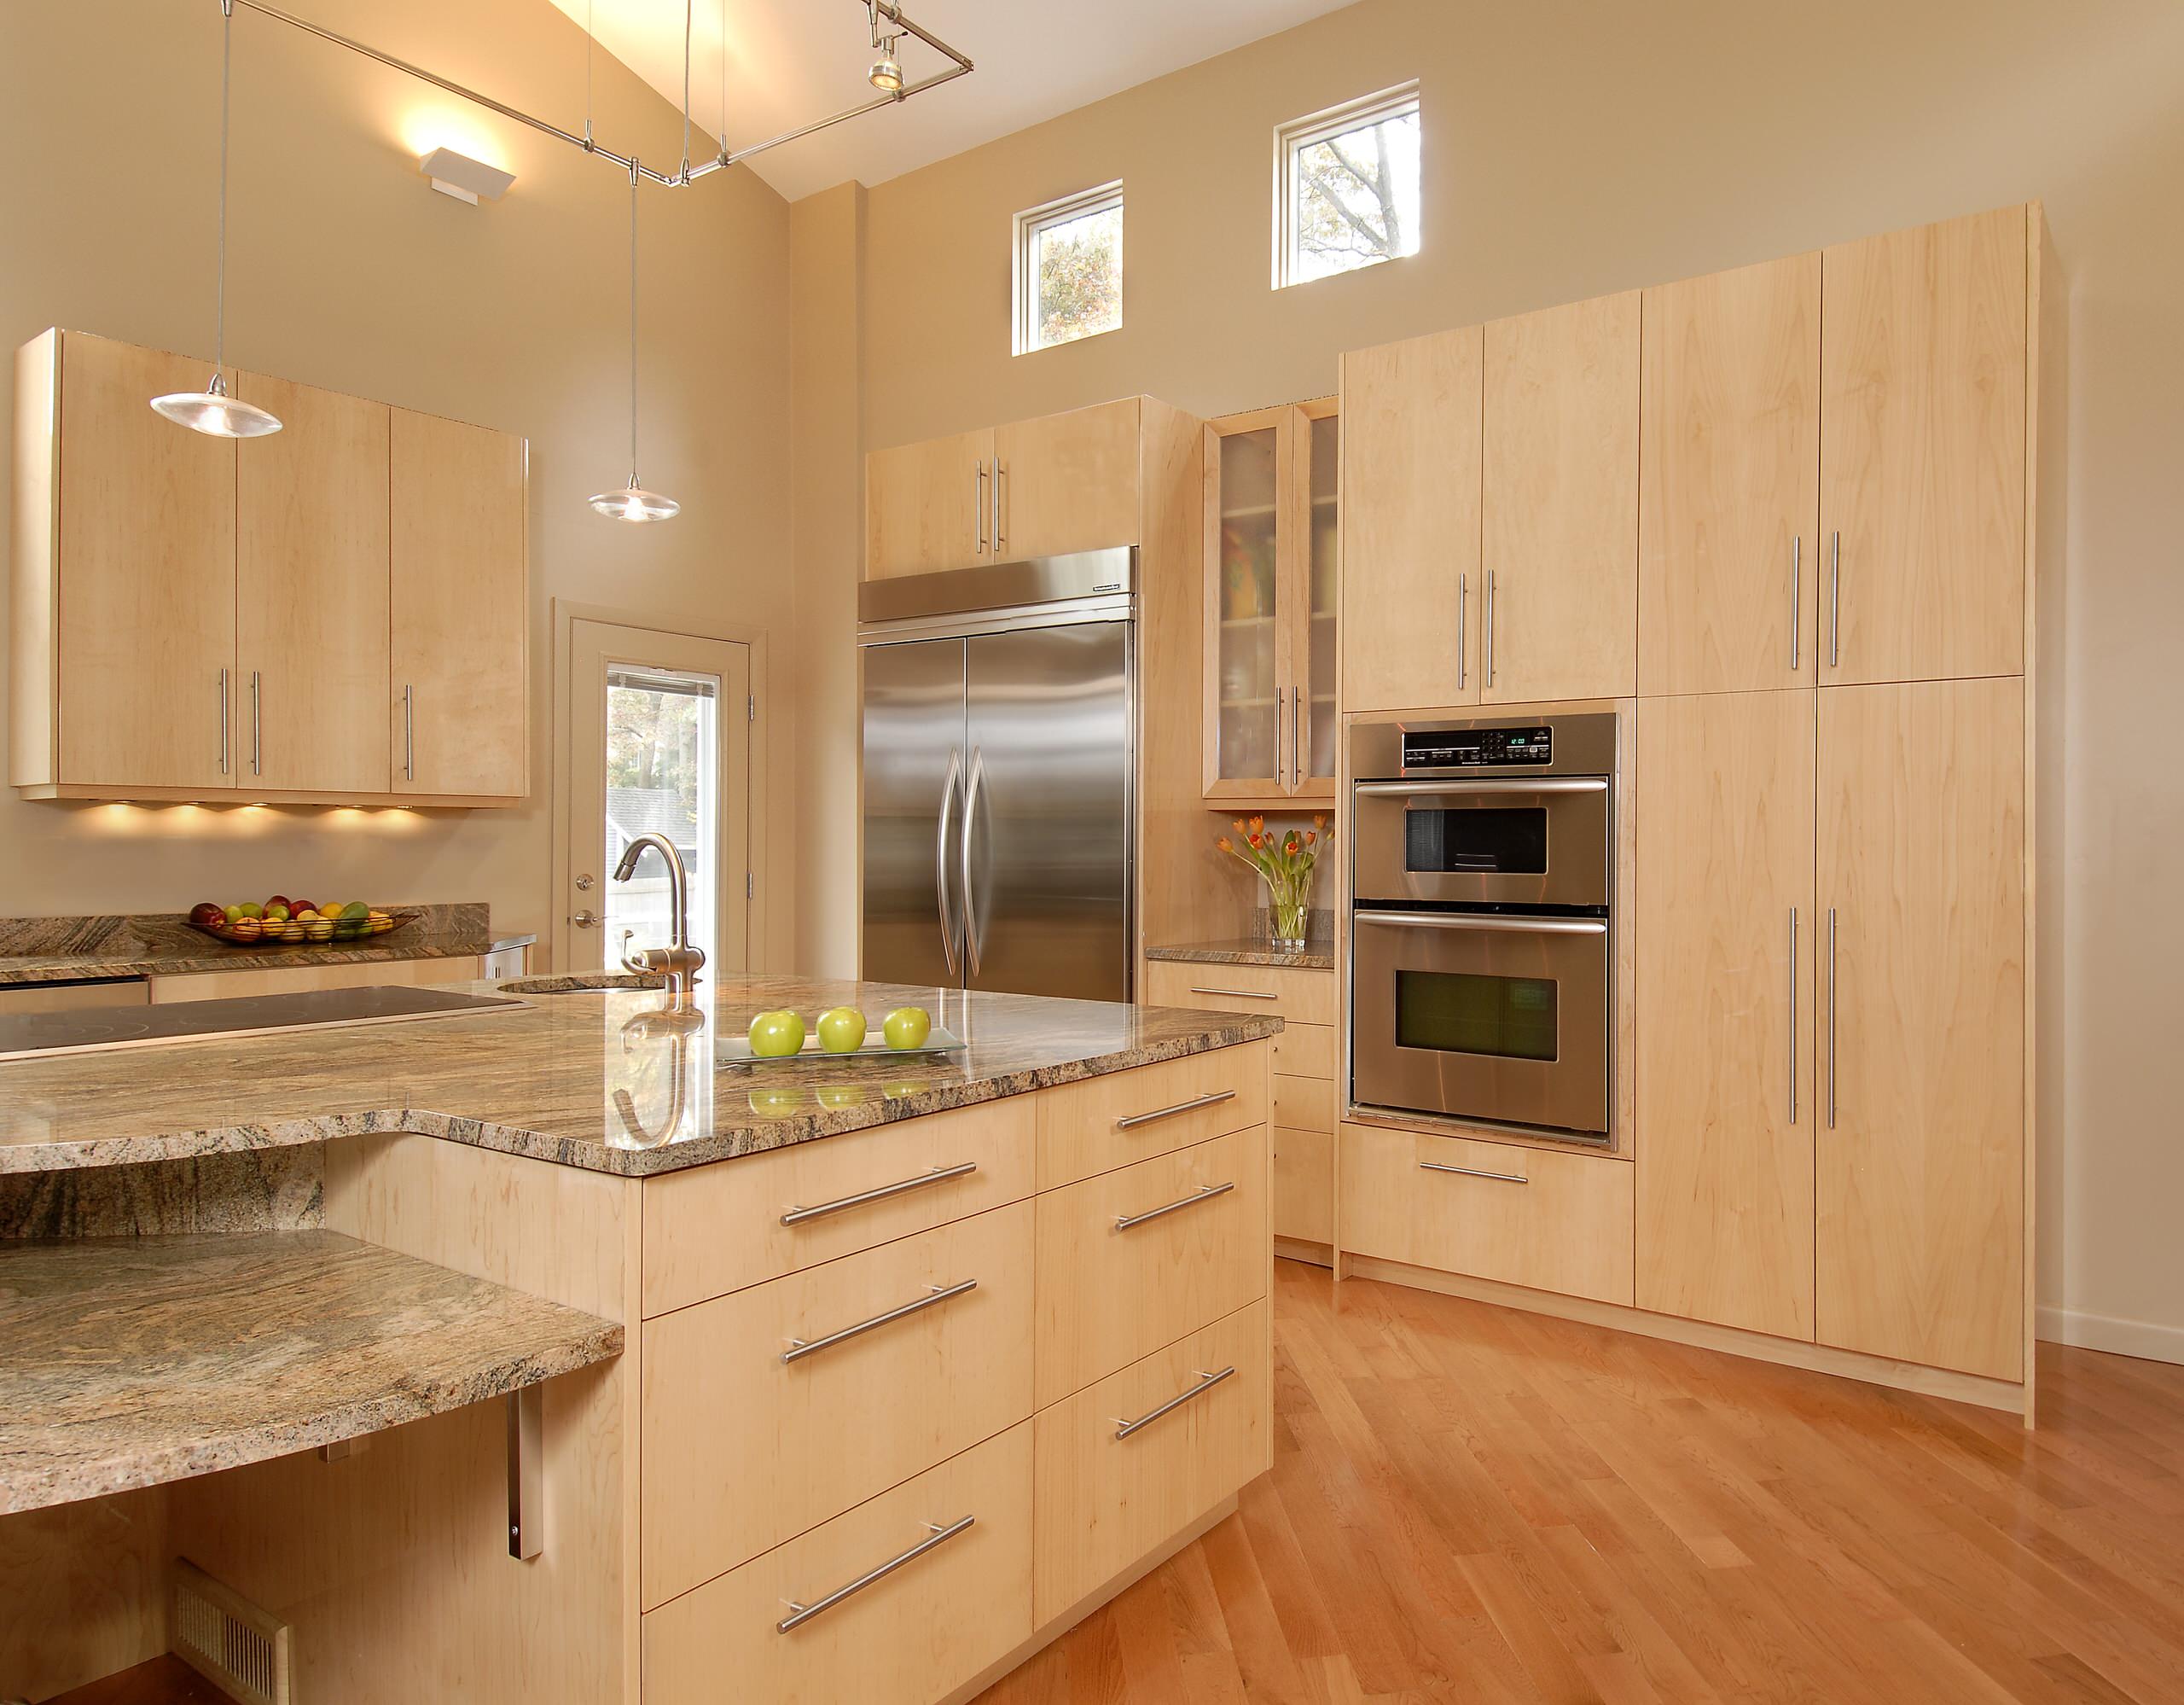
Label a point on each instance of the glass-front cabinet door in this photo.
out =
(1270, 603)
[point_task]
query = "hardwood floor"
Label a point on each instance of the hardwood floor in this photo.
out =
(1473, 1504)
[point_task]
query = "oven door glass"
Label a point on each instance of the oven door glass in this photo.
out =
(1482, 1016)
(1487, 843)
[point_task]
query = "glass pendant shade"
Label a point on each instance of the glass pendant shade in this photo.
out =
(214, 412)
(635, 503)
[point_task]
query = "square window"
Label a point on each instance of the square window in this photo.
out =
(1069, 268)
(1349, 182)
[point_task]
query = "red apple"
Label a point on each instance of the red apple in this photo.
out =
(206, 913)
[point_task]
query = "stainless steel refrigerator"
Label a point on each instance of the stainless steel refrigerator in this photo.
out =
(998, 766)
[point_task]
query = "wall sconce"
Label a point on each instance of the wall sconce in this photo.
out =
(464, 178)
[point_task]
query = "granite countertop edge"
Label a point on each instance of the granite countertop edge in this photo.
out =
(589, 1155)
(32, 969)
(1318, 955)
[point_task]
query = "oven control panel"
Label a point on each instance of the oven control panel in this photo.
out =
(1477, 749)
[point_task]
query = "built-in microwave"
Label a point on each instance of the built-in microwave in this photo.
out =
(1481, 920)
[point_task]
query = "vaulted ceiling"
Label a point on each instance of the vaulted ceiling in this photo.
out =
(791, 61)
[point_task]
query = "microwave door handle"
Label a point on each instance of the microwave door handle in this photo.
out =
(1537, 784)
(1486, 920)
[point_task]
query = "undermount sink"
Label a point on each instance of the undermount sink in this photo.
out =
(580, 982)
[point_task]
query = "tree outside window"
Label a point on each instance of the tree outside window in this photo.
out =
(1069, 268)
(1351, 187)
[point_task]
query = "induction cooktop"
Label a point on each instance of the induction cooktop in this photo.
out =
(31, 1035)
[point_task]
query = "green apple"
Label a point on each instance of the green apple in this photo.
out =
(842, 1030)
(776, 1035)
(907, 1026)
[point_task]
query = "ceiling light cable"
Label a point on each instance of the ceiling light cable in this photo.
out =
(633, 502)
(588, 40)
(689, 8)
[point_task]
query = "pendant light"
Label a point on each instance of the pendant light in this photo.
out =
(887, 72)
(212, 411)
(633, 502)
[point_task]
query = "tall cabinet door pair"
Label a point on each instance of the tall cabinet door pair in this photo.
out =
(1830, 904)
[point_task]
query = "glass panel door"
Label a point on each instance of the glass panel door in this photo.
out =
(1321, 483)
(663, 777)
(1247, 729)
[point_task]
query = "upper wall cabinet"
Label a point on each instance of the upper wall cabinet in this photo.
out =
(1270, 556)
(1728, 578)
(1041, 487)
(1922, 451)
(124, 629)
(197, 618)
(1559, 524)
(1410, 500)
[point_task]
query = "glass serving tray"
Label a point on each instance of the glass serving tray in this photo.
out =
(939, 1040)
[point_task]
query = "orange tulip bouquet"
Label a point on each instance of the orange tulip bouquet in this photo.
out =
(1286, 860)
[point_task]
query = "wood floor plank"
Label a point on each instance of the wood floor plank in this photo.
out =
(1471, 1503)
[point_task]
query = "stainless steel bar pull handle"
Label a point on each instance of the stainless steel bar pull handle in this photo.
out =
(223, 722)
(798, 1349)
(1796, 603)
(1489, 628)
(1831, 1018)
(947, 931)
(257, 724)
(410, 733)
(1000, 516)
(978, 509)
(1834, 597)
(1472, 1172)
(1206, 1381)
(1489, 922)
(1793, 1015)
(1485, 784)
(1463, 612)
(962, 1169)
(970, 821)
(1299, 765)
(1203, 1193)
(1281, 714)
(798, 1614)
(1135, 1119)
(1236, 994)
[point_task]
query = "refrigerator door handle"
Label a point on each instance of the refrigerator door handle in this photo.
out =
(977, 775)
(940, 859)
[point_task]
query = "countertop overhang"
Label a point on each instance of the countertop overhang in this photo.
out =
(599, 1077)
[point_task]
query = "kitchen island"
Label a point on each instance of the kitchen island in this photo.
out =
(982, 1337)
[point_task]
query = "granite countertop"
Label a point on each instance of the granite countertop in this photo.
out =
(599, 1077)
(1318, 955)
(133, 1361)
(61, 950)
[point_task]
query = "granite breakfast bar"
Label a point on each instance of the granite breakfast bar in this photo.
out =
(757, 1381)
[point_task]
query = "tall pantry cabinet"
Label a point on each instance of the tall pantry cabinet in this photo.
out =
(1834, 877)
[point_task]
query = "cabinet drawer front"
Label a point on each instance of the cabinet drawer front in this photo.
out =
(1102, 1123)
(911, 1636)
(1197, 1248)
(1305, 997)
(1303, 1191)
(712, 1229)
(1104, 1501)
(743, 1449)
(1305, 1050)
(1532, 1217)
(1304, 1103)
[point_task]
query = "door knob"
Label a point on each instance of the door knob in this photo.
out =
(583, 883)
(584, 920)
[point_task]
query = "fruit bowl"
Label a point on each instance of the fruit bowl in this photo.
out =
(330, 933)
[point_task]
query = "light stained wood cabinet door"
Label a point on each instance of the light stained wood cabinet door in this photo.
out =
(1725, 951)
(1922, 452)
(312, 569)
(1728, 570)
(458, 609)
(1920, 1165)
(1410, 588)
(1560, 522)
(145, 623)
(1065, 482)
(929, 505)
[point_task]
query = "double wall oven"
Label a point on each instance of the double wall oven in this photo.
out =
(1481, 920)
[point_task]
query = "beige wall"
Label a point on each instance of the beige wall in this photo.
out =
(346, 271)
(1574, 147)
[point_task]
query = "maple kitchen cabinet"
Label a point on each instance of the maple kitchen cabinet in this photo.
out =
(1559, 522)
(203, 618)
(1728, 564)
(1042, 487)
(1411, 585)
(1270, 598)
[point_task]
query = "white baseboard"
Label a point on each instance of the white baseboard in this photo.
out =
(2145, 1339)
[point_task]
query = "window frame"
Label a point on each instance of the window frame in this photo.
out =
(1023, 270)
(1291, 138)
